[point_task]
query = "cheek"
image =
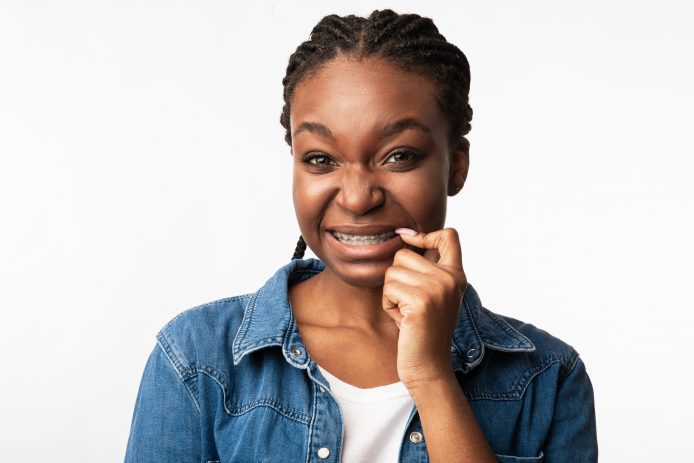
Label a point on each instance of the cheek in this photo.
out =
(310, 196)
(424, 198)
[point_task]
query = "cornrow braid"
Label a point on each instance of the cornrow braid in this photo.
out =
(300, 249)
(407, 41)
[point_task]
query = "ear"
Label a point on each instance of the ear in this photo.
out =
(460, 162)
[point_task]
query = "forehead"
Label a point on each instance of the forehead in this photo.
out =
(350, 93)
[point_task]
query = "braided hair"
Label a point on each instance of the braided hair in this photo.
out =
(409, 42)
(300, 249)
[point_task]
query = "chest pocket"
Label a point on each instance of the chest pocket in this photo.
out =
(256, 414)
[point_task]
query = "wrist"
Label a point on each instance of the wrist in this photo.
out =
(432, 385)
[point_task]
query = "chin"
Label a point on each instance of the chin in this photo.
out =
(362, 274)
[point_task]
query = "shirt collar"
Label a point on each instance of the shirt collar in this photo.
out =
(478, 329)
(268, 321)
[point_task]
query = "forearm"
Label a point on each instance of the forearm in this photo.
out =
(450, 427)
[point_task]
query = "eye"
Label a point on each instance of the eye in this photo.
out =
(403, 156)
(318, 159)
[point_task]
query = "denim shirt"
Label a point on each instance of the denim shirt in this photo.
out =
(231, 381)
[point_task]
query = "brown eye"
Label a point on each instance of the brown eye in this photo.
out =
(403, 156)
(318, 159)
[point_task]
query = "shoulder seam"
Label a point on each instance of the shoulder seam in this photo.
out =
(568, 365)
(180, 364)
(193, 395)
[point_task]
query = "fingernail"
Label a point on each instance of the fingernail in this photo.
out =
(405, 231)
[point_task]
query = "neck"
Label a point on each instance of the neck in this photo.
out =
(331, 302)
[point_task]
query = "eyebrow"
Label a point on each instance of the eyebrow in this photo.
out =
(314, 127)
(385, 132)
(402, 125)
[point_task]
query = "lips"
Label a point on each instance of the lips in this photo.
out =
(363, 236)
(363, 243)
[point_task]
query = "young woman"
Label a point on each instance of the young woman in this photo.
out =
(378, 351)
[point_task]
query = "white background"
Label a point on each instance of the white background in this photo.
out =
(143, 171)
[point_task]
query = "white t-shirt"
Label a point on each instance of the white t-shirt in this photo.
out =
(374, 419)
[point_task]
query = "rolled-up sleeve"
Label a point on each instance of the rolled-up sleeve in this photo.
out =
(166, 421)
(572, 437)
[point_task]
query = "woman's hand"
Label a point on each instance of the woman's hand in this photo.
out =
(423, 294)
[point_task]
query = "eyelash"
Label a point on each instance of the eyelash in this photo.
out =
(414, 156)
(311, 157)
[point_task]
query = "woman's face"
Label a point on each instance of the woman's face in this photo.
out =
(371, 153)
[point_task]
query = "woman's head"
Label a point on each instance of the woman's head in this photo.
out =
(408, 41)
(375, 142)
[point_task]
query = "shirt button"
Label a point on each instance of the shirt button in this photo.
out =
(323, 453)
(322, 389)
(416, 437)
(295, 352)
(471, 353)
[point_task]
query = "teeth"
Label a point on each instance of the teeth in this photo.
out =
(363, 239)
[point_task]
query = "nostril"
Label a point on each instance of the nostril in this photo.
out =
(359, 196)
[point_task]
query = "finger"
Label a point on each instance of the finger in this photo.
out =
(418, 272)
(400, 299)
(414, 261)
(445, 242)
(406, 275)
(391, 308)
(432, 255)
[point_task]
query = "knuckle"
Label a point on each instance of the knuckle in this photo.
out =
(450, 233)
(388, 292)
(403, 252)
(418, 297)
(400, 255)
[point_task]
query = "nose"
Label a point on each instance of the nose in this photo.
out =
(360, 191)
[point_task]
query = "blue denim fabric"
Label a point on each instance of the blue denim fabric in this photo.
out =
(230, 381)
